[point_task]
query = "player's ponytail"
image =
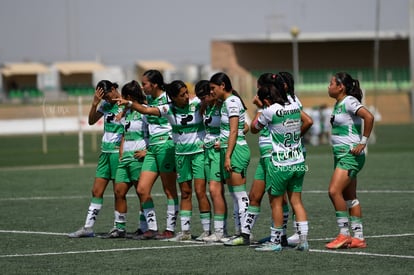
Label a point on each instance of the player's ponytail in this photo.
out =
(351, 85)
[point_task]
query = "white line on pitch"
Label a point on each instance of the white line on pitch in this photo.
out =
(194, 245)
(319, 239)
(103, 250)
(362, 254)
(371, 237)
(33, 232)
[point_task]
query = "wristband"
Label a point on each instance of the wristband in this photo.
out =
(129, 103)
(259, 110)
(257, 125)
(364, 140)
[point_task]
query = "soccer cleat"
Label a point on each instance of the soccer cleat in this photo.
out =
(227, 238)
(82, 232)
(293, 240)
(269, 247)
(357, 243)
(214, 238)
(148, 235)
(283, 241)
(136, 234)
(302, 246)
(167, 234)
(264, 240)
(202, 236)
(238, 240)
(115, 233)
(182, 236)
(341, 241)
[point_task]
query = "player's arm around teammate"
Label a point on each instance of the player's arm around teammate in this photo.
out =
(131, 155)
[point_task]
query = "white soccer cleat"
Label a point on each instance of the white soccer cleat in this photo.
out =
(203, 235)
(293, 240)
(214, 238)
(82, 232)
(182, 236)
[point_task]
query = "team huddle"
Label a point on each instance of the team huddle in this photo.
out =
(160, 130)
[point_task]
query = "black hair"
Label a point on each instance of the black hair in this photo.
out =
(173, 88)
(134, 91)
(276, 80)
(290, 83)
(272, 79)
(271, 93)
(106, 86)
(219, 78)
(202, 88)
(155, 77)
(351, 85)
(266, 78)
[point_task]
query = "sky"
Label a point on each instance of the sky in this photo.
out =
(122, 32)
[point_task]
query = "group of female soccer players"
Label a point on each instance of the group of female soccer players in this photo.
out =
(161, 130)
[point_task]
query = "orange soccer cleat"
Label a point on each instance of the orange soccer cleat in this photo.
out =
(341, 241)
(357, 243)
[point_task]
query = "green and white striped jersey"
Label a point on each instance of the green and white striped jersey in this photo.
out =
(265, 143)
(159, 128)
(135, 134)
(113, 130)
(212, 125)
(232, 107)
(346, 125)
(297, 101)
(187, 126)
(284, 124)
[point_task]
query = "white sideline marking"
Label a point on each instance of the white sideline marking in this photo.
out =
(102, 250)
(33, 232)
(320, 239)
(362, 254)
(371, 237)
(193, 245)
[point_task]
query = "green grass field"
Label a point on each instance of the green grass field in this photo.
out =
(45, 196)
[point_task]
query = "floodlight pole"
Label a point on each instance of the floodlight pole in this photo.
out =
(411, 34)
(80, 133)
(294, 31)
(376, 51)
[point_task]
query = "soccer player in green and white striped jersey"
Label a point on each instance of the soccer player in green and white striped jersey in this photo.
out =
(211, 114)
(159, 161)
(349, 138)
(109, 157)
(187, 133)
(287, 168)
(284, 82)
(307, 122)
(235, 152)
(133, 150)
